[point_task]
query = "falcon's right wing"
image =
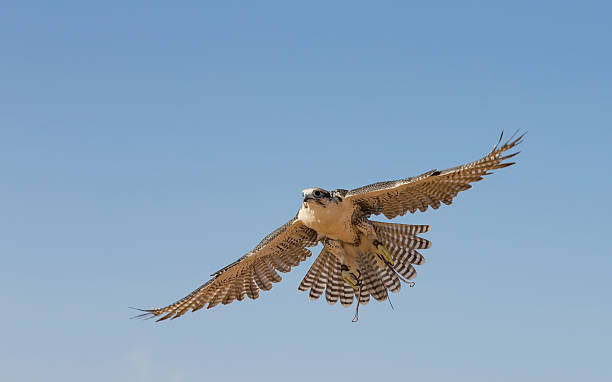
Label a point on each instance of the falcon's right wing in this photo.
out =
(279, 251)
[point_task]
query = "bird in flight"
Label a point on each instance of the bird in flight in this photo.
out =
(360, 257)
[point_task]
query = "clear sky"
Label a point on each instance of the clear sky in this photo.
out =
(144, 145)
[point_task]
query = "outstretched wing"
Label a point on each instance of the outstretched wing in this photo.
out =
(279, 251)
(396, 197)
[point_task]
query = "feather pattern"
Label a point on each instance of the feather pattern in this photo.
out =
(376, 279)
(390, 280)
(371, 277)
(429, 189)
(320, 282)
(334, 281)
(279, 251)
(346, 294)
(313, 272)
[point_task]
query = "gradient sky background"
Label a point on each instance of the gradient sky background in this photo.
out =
(144, 145)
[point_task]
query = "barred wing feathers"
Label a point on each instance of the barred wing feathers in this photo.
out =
(257, 270)
(397, 197)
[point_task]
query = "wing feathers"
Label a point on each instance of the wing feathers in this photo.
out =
(262, 281)
(279, 251)
(397, 197)
(252, 290)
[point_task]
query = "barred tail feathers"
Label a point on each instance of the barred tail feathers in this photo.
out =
(402, 242)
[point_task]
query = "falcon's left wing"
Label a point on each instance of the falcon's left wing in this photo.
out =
(279, 251)
(397, 197)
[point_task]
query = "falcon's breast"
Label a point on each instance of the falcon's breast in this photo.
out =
(333, 219)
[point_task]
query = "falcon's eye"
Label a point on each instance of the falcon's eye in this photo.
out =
(317, 194)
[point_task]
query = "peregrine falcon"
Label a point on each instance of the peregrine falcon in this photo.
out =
(360, 257)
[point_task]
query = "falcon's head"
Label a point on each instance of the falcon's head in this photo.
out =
(317, 196)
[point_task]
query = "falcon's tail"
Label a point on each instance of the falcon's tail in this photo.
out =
(377, 278)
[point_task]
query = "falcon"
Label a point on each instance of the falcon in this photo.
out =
(361, 258)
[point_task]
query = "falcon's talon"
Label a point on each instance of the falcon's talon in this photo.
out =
(351, 277)
(383, 253)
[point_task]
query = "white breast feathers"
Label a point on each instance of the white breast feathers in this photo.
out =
(332, 219)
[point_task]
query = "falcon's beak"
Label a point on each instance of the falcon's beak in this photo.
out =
(307, 198)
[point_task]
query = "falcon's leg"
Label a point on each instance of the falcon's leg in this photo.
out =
(382, 252)
(351, 276)
(368, 229)
(349, 269)
(387, 259)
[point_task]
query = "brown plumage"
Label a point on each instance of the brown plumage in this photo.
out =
(340, 220)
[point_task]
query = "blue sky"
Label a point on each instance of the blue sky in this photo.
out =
(145, 145)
